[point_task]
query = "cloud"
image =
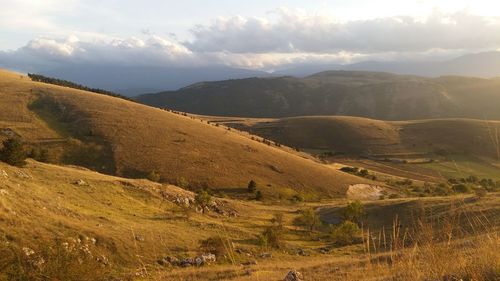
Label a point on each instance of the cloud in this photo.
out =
(283, 38)
(293, 31)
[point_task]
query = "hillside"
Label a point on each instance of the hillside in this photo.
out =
(69, 223)
(120, 137)
(374, 95)
(357, 136)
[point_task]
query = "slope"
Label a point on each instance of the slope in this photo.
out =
(362, 136)
(125, 138)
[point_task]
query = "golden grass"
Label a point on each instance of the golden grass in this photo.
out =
(138, 139)
(355, 135)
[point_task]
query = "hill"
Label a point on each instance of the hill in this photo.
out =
(374, 95)
(69, 223)
(362, 136)
(124, 138)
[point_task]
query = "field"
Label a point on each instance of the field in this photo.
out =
(130, 192)
(128, 225)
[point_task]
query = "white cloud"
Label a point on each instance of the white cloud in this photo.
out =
(283, 38)
(293, 32)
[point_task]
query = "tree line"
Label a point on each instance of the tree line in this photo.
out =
(69, 84)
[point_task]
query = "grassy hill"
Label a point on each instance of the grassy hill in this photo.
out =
(70, 223)
(374, 95)
(124, 138)
(369, 137)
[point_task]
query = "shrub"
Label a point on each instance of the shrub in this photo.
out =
(182, 182)
(258, 195)
(308, 218)
(277, 220)
(345, 234)
(203, 199)
(218, 246)
(351, 170)
(13, 153)
(354, 211)
(272, 237)
(462, 188)
(154, 176)
(252, 186)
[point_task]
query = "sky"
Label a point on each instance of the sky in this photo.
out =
(258, 34)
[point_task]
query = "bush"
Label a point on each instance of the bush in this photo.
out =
(218, 246)
(203, 199)
(272, 237)
(258, 195)
(154, 176)
(13, 153)
(350, 170)
(308, 218)
(252, 186)
(462, 188)
(354, 211)
(345, 234)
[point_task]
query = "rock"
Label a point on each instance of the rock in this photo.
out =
(293, 275)
(204, 259)
(22, 175)
(324, 250)
(4, 192)
(187, 262)
(80, 182)
(139, 238)
(302, 252)
(248, 263)
(266, 255)
(28, 251)
(102, 259)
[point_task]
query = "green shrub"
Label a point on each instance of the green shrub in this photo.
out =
(354, 212)
(203, 199)
(309, 219)
(13, 153)
(154, 176)
(272, 237)
(346, 233)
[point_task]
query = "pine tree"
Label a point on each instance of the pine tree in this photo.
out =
(252, 186)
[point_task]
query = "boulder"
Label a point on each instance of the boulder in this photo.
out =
(294, 275)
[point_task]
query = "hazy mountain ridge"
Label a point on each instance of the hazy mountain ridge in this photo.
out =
(374, 95)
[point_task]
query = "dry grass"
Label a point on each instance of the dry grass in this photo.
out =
(355, 135)
(133, 140)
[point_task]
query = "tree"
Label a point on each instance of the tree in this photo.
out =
(13, 152)
(252, 186)
(354, 212)
(309, 218)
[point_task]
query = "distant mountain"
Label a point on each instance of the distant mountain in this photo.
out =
(375, 95)
(135, 80)
(485, 65)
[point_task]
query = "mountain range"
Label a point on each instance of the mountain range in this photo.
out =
(376, 95)
(135, 80)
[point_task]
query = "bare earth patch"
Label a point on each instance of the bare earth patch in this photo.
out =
(364, 192)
